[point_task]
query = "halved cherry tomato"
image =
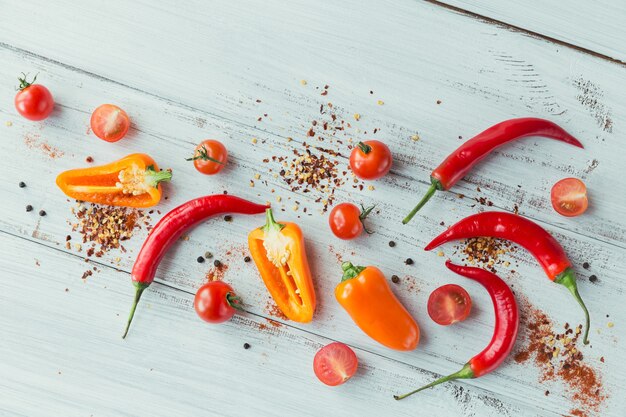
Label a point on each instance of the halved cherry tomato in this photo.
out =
(335, 363)
(449, 304)
(109, 122)
(209, 157)
(216, 302)
(569, 197)
(347, 220)
(370, 160)
(33, 101)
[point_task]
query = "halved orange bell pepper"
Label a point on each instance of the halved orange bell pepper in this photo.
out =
(133, 181)
(279, 254)
(365, 294)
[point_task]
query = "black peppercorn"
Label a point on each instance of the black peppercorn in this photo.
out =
(392, 243)
(200, 259)
(586, 265)
(22, 184)
(217, 263)
(246, 345)
(409, 261)
(42, 212)
(246, 259)
(395, 279)
(228, 218)
(593, 278)
(29, 208)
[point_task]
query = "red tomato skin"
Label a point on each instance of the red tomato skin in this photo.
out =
(561, 188)
(344, 221)
(434, 309)
(343, 355)
(216, 150)
(211, 304)
(372, 165)
(99, 120)
(34, 102)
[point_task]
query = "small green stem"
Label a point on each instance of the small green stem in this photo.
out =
(364, 213)
(465, 373)
(234, 301)
(153, 178)
(364, 147)
(139, 288)
(24, 83)
(434, 186)
(350, 271)
(568, 280)
(204, 155)
(270, 223)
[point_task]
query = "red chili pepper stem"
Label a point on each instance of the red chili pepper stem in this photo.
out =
(139, 288)
(568, 280)
(434, 186)
(465, 373)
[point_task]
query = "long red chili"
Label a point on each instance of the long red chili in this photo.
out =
(171, 227)
(548, 252)
(504, 333)
(463, 159)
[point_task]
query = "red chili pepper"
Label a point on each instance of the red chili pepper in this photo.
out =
(171, 227)
(504, 333)
(463, 159)
(548, 252)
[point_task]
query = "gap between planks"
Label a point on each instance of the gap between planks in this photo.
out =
(528, 32)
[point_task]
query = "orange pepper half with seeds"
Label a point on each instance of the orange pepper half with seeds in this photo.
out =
(133, 181)
(279, 254)
(365, 294)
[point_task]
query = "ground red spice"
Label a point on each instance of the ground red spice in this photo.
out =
(33, 141)
(557, 356)
(272, 309)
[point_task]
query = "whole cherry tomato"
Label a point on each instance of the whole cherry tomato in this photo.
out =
(335, 363)
(449, 304)
(109, 122)
(347, 220)
(370, 160)
(216, 302)
(569, 197)
(33, 101)
(210, 157)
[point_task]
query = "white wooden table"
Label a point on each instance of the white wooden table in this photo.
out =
(194, 70)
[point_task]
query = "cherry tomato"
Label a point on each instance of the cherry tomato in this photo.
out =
(370, 160)
(334, 364)
(216, 302)
(346, 220)
(569, 197)
(210, 157)
(449, 304)
(109, 122)
(33, 101)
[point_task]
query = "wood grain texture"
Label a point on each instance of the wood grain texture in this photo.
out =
(236, 61)
(596, 26)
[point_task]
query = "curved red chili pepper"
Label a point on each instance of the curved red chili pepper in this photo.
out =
(548, 252)
(463, 159)
(504, 332)
(171, 227)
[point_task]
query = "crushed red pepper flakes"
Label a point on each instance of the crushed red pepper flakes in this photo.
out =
(485, 252)
(557, 356)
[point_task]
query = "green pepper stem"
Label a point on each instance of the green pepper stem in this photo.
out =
(139, 288)
(465, 373)
(350, 271)
(431, 191)
(568, 280)
(153, 178)
(270, 223)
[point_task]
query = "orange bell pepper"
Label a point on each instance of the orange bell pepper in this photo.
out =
(365, 294)
(133, 181)
(279, 254)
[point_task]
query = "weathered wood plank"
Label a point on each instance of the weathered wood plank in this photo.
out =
(595, 26)
(63, 355)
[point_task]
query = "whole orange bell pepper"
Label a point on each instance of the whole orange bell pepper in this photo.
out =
(365, 294)
(279, 254)
(133, 181)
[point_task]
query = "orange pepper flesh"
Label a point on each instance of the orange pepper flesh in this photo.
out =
(365, 294)
(285, 272)
(112, 184)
